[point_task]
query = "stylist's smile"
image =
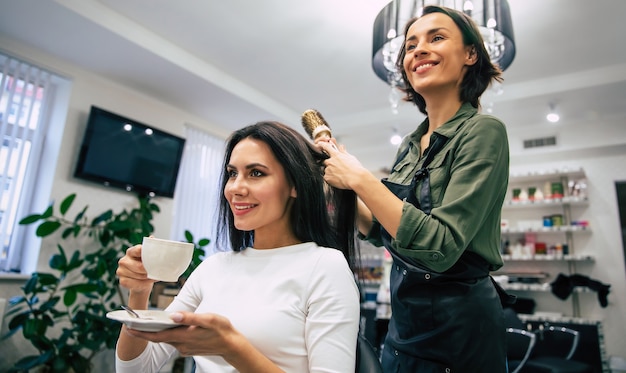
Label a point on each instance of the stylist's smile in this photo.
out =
(423, 66)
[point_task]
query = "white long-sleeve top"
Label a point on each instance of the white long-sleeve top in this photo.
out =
(298, 305)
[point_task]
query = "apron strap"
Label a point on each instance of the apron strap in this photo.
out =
(424, 202)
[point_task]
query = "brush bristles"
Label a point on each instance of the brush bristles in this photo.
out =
(314, 124)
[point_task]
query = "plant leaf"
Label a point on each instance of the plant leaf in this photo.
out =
(58, 262)
(154, 207)
(66, 203)
(18, 320)
(69, 297)
(47, 228)
(49, 304)
(31, 284)
(34, 327)
(102, 218)
(47, 279)
(30, 219)
(67, 232)
(62, 251)
(76, 229)
(14, 301)
(34, 300)
(80, 215)
(119, 225)
(75, 261)
(48, 213)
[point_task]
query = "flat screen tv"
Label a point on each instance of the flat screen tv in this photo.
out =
(120, 152)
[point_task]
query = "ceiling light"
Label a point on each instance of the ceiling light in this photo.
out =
(552, 116)
(493, 18)
(395, 139)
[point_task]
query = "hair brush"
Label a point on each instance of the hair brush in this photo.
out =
(314, 124)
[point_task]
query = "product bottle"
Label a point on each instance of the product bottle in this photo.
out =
(547, 190)
(523, 195)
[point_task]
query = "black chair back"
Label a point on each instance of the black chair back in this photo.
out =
(366, 357)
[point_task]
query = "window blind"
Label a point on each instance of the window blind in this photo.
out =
(23, 99)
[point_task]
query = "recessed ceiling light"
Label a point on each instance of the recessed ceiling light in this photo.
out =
(553, 116)
(395, 139)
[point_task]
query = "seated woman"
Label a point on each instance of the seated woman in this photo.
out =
(283, 297)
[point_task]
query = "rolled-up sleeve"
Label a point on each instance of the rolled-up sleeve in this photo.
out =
(468, 182)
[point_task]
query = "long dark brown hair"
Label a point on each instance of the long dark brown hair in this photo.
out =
(320, 213)
(478, 76)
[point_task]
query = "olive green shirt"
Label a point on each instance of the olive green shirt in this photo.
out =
(468, 182)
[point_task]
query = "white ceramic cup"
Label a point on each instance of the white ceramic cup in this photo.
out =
(165, 260)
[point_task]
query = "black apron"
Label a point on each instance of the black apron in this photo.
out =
(441, 322)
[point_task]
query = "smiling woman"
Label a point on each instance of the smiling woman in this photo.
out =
(438, 211)
(297, 305)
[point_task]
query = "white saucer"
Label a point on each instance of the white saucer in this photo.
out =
(151, 321)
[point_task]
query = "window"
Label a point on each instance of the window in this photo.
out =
(196, 199)
(26, 99)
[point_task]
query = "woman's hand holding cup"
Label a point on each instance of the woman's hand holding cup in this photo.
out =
(132, 273)
(154, 260)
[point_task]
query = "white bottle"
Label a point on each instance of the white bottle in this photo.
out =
(523, 195)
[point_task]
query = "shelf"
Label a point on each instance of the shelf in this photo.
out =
(571, 201)
(542, 317)
(550, 258)
(561, 229)
(526, 287)
(544, 287)
(524, 220)
(370, 282)
(545, 175)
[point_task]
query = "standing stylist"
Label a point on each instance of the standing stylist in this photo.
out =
(438, 213)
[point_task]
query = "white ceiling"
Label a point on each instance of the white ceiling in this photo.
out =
(239, 61)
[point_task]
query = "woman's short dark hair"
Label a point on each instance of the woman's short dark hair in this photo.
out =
(478, 76)
(320, 213)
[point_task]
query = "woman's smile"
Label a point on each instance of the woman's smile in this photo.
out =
(242, 208)
(423, 67)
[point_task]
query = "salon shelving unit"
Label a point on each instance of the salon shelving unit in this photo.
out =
(525, 219)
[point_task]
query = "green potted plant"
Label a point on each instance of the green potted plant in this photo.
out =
(62, 313)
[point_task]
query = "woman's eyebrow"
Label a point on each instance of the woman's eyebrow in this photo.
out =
(429, 32)
(248, 166)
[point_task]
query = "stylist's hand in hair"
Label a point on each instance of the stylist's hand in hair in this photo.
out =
(341, 168)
